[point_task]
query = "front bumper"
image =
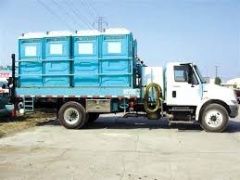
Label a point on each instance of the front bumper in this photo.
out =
(233, 111)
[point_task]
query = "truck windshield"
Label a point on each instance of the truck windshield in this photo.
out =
(199, 74)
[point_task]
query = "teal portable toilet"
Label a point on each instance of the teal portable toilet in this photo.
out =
(86, 58)
(57, 59)
(30, 60)
(117, 60)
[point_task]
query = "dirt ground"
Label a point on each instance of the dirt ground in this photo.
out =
(10, 125)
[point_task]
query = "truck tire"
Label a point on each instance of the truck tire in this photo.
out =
(214, 118)
(72, 115)
(92, 117)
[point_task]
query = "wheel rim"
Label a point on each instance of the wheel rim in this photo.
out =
(71, 115)
(214, 118)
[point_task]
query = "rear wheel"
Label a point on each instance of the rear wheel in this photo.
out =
(72, 115)
(214, 118)
(93, 117)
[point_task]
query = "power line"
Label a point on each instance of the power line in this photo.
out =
(79, 14)
(86, 3)
(100, 21)
(93, 3)
(92, 6)
(66, 13)
(54, 14)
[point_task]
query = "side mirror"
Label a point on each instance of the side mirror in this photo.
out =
(190, 75)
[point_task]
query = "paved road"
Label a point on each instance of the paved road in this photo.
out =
(115, 148)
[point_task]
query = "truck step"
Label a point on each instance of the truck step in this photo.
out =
(28, 104)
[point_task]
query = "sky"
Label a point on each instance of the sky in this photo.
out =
(205, 32)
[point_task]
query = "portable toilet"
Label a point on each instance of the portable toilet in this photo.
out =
(85, 56)
(57, 59)
(116, 66)
(30, 60)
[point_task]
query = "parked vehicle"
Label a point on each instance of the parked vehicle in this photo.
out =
(91, 73)
(238, 95)
(5, 107)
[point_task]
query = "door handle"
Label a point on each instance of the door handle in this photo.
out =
(174, 94)
(176, 86)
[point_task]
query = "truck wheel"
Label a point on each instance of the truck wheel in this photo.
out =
(214, 118)
(93, 117)
(72, 115)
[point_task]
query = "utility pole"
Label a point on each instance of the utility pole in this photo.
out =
(100, 22)
(216, 71)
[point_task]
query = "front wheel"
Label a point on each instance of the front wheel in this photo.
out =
(214, 118)
(72, 115)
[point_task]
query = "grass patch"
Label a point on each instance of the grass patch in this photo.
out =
(1, 133)
(10, 125)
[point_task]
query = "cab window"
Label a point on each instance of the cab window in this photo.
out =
(181, 75)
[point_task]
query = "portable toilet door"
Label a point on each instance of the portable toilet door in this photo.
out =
(30, 60)
(57, 59)
(85, 56)
(116, 67)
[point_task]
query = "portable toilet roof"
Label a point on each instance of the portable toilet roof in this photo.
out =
(32, 35)
(116, 31)
(87, 33)
(58, 33)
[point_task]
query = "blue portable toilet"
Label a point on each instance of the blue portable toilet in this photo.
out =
(116, 62)
(85, 56)
(57, 59)
(30, 60)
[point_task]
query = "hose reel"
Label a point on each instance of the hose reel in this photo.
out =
(147, 108)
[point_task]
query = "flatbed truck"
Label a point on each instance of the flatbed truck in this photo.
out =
(89, 73)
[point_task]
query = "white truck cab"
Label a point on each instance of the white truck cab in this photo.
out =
(189, 97)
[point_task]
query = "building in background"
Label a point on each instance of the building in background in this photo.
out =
(5, 73)
(235, 83)
(209, 80)
(232, 83)
(5, 107)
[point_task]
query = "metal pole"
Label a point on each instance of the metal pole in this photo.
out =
(100, 22)
(216, 71)
(13, 86)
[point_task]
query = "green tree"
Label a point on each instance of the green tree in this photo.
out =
(235, 86)
(218, 81)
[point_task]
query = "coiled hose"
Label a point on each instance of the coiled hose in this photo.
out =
(158, 91)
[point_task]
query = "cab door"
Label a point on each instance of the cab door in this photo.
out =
(183, 86)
